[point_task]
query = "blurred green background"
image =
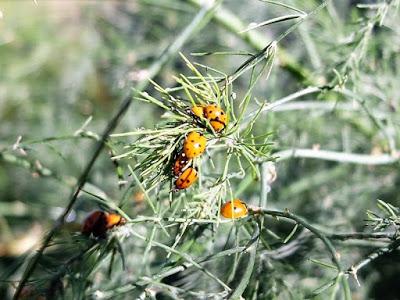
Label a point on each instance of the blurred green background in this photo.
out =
(62, 62)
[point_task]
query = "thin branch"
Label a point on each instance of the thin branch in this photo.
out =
(294, 245)
(235, 25)
(325, 240)
(248, 271)
(172, 220)
(363, 235)
(343, 157)
(288, 215)
(290, 248)
(353, 270)
(184, 256)
(317, 105)
(286, 99)
(374, 255)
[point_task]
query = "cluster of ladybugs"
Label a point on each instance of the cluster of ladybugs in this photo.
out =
(195, 144)
(99, 222)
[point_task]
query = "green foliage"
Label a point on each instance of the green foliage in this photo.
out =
(311, 91)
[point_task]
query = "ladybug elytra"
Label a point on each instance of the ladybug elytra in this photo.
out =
(186, 179)
(234, 209)
(216, 116)
(194, 145)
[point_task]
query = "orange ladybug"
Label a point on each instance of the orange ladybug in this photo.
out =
(98, 222)
(180, 163)
(198, 111)
(216, 116)
(194, 145)
(186, 179)
(234, 209)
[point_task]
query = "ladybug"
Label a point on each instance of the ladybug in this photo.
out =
(186, 179)
(180, 163)
(216, 116)
(234, 209)
(194, 145)
(98, 222)
(198, 111)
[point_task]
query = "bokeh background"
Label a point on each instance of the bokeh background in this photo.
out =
(62, 62)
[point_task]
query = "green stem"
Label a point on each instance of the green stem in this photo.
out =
(252, 249)
(374, 255)
(328, 244)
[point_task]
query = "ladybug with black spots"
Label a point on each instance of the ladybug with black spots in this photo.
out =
(186, 179)
(216, 116)
(194, 144)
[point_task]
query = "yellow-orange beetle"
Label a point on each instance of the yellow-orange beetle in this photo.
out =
(186, 179)
(194, 145)
(234, 209)
(216, 116)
